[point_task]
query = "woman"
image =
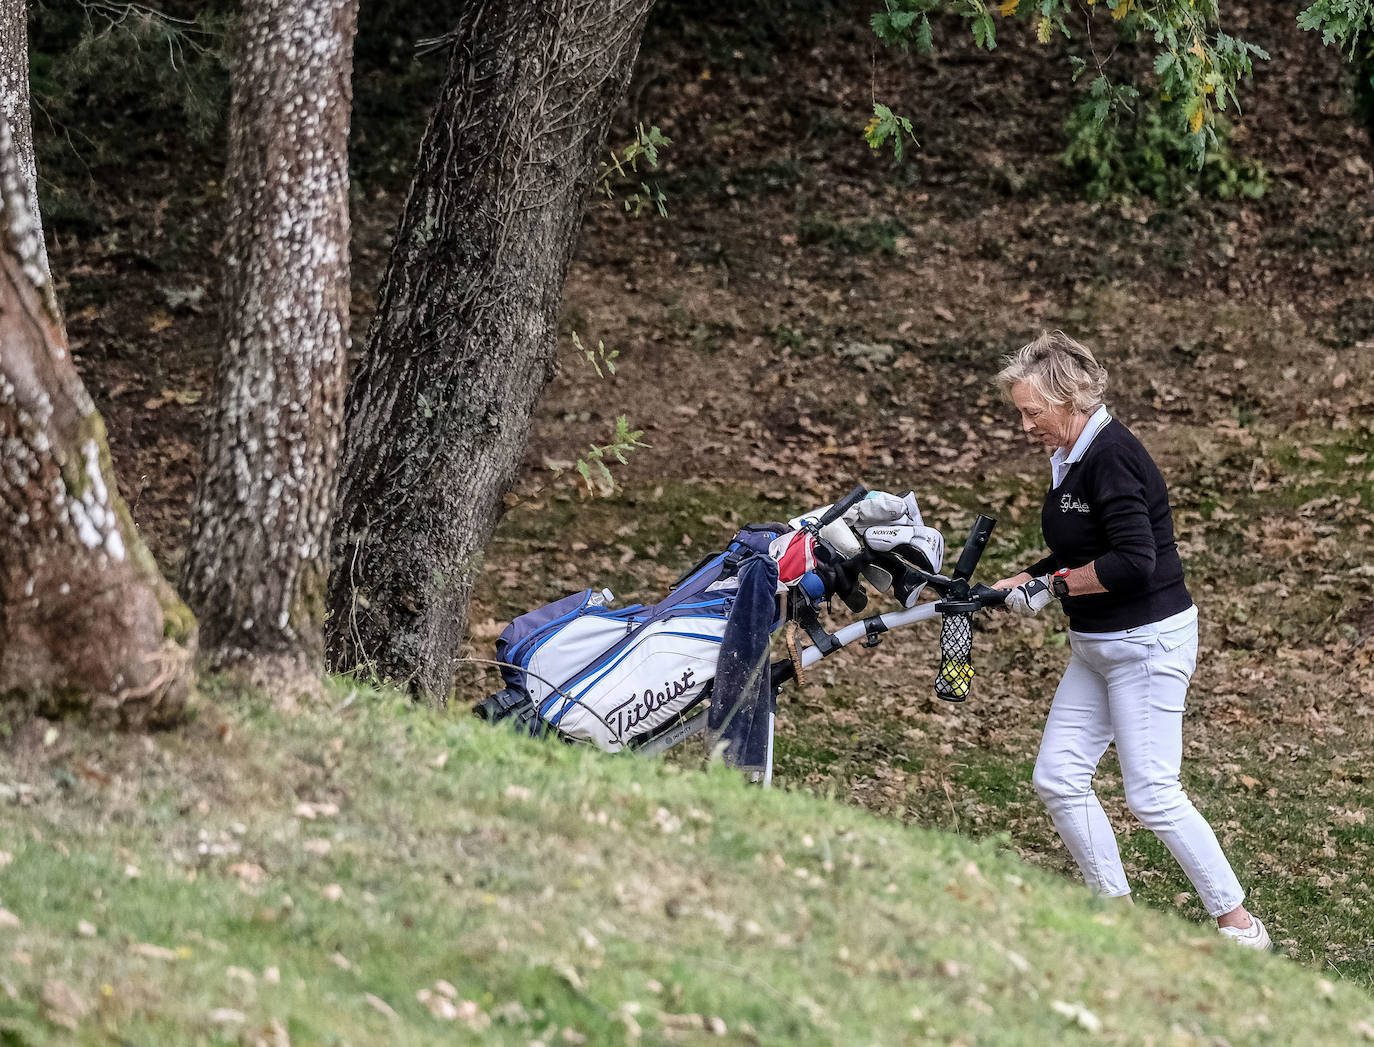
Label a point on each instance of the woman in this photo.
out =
(1132, 626)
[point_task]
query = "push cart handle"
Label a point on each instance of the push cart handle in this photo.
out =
(973, 548)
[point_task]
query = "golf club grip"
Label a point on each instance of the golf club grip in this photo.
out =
(990, 597)
(973, 548)
(843, 506)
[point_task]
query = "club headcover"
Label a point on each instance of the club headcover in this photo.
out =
(838, 533)
(920, 546)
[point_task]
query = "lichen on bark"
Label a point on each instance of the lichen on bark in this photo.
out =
(82, 620)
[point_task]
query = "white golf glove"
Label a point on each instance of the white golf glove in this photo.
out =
(1030, 598)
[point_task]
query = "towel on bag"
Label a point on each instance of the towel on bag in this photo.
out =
(742, 699)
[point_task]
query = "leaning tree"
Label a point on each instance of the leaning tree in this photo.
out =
(254, 572)
(87, 624)
(464, 339)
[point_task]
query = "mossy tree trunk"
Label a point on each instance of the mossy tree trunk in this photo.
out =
(14, 98)
(87, 624)
(464, 339)
(255, 571)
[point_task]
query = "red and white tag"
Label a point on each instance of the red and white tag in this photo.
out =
(795, 553)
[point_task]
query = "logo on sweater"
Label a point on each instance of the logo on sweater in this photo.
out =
(630, 713)
(1068, 503)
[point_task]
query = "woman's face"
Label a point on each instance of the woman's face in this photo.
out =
(1040, 421)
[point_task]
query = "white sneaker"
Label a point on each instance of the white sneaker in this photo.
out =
(1252, 937)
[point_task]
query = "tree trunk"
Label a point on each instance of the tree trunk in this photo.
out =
(255, 571)
(464, 339)
(14, 100)
(87, 624)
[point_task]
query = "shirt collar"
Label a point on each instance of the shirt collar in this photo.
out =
(1060, 461)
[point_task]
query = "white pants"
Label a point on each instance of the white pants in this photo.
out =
(1129, 690)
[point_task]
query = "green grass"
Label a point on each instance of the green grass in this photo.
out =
(178, 893)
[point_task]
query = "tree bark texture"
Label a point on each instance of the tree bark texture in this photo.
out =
(255, 571)
(87, 624)
(464, 339)
(14, 99)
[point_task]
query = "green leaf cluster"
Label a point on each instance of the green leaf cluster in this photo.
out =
(617, 171)
(886, 125)
(1198, 65)
(1146, 149)
(906, 23)
(1347, 22)
(598, 357)
(596, 475)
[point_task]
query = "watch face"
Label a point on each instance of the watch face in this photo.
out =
(1059, 586)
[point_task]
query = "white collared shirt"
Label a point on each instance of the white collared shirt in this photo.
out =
(1060, 462)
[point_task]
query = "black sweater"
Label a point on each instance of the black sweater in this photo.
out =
(1112, 509)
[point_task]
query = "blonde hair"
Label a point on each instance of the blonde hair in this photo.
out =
(1063, 373)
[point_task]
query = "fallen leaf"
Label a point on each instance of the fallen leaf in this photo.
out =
(380, 1006)
(315, 810)
(274, 1034)
(62, 1006)
(1079, 1014)
(439, 1006)
(248, 872)
(152, 952)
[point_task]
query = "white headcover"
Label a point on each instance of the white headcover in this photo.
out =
(881, 508)
(913, 543)
(838, 534)
(884, 522)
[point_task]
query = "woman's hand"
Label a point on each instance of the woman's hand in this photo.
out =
(1030, 597)
(1012, 582)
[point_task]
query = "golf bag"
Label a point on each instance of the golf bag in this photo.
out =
(611, 676)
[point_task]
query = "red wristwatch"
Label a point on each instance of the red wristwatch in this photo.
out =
(1059, 583)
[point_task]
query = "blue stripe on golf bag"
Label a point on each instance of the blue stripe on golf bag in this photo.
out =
(606, 675)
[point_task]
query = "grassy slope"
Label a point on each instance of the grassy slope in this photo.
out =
(176, 891)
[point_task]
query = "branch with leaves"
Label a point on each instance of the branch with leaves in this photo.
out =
(623, 167)
(1198, 66)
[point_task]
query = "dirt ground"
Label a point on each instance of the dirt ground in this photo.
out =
(811, 315)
